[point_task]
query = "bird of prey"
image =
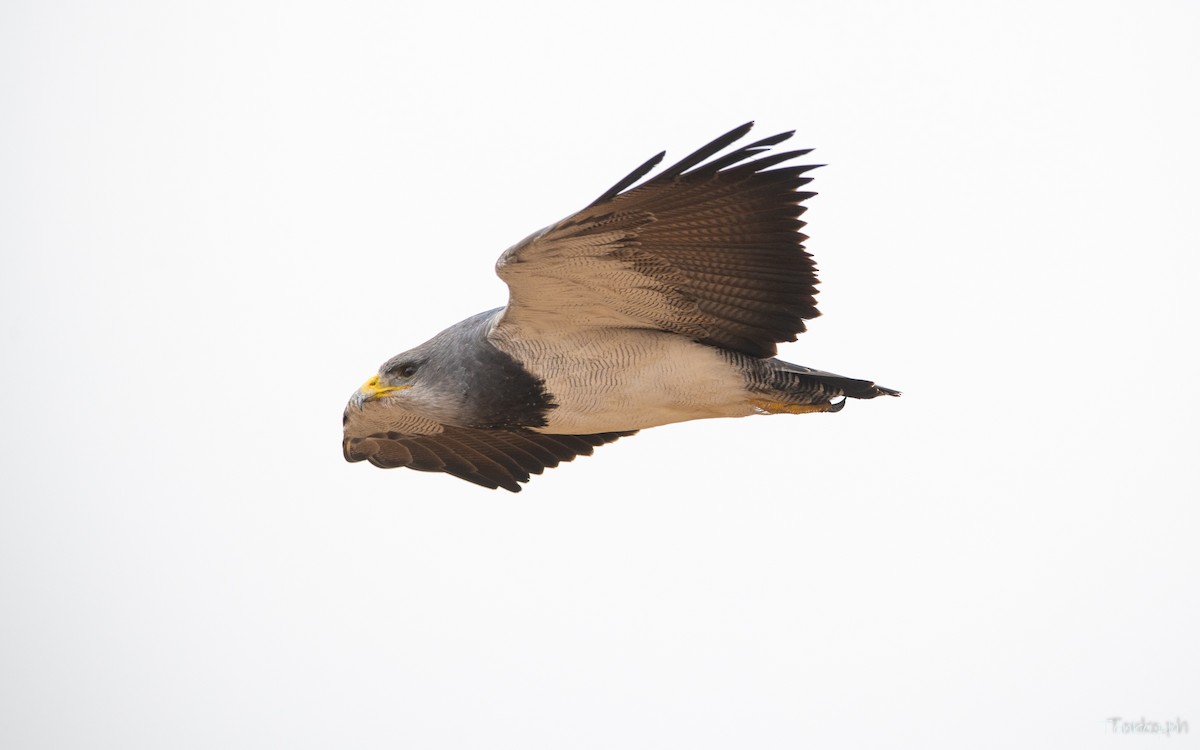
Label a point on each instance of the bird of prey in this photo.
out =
(657, 303)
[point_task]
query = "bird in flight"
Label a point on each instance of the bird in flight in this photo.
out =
(657, 303)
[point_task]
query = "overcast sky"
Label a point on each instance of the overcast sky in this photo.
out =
(217, 219)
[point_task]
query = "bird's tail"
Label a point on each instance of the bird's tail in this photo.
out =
(778, 387)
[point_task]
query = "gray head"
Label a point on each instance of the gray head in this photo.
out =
(458, 378)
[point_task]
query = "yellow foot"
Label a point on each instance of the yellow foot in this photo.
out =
(766, 406)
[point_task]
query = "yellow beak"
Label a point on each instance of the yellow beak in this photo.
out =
(371, 390)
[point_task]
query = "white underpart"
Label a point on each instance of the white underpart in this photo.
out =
(606, 380)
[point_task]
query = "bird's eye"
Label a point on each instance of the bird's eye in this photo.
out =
(405, 371)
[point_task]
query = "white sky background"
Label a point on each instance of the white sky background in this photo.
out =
(217, 219)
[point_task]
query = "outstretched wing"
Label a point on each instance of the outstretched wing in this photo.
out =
(491, 458)
(710, 249)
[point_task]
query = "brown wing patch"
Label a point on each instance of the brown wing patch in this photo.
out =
(713, 245)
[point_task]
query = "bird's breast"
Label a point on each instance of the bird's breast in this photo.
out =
(607, 380)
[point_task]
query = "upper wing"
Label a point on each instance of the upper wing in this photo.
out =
(711, 251)
(491, 458)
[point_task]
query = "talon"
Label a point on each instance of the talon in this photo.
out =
(767, 406)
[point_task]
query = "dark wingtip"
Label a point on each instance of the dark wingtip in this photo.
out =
(773, 141)
(695, 161)
(704, 152)
(629, 179)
